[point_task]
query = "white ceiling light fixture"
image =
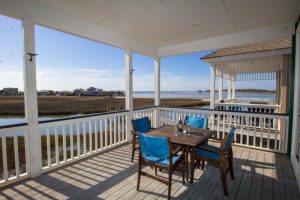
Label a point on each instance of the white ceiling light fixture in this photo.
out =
(196, 25)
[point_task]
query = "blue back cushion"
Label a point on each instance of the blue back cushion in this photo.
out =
(228, 142)
(157, 147)
(142, 125)
(196, 122)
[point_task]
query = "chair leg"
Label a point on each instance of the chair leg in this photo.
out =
(183, 170)
(155, 170)
(133, 150)
(223, 178)
(202, 166)
(139, 173)
(230, 166)
(132, 154)
(170, 183)
(193, 160)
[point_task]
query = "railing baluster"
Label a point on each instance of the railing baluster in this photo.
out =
(78, 138)
(56, 146)
(247, 126)
(96, 135)
(248, 122)
(4, 158)
(84, 137)
(101, 133)
(90, 137)
(123, 128)
(269, 133)
(16, 151)
(48, 147)
(64, 143)
(261, 132)
(115, 130)
(71, 141)
(110, 132)
(218, 126)
(105, 132)
(119, 129)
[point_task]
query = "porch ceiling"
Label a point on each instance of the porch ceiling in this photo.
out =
(162, 25)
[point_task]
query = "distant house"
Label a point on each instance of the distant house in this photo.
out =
(78, 91)
(46, 93)
(9, 92)
(92, 91)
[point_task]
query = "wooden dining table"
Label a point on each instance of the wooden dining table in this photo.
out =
(190, 141)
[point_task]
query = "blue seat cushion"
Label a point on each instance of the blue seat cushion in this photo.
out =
(142, 125)
(165, 161)
(196, 122)
(208, 154)
(212, 147)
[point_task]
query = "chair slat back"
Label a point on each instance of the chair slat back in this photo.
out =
(196, 122)
(226, 142)
(158, 147)
(141, 125)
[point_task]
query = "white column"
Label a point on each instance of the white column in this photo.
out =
(212, 88)
(157, 81)
(233, 89)
(220, 88)
(157, 90)
(128, 91)
(229, 90)
(30, 97)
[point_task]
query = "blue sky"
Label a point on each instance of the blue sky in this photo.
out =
(66, 62)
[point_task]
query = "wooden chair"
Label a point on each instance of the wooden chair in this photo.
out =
(157, 152)
(141, 125)
(222, 157)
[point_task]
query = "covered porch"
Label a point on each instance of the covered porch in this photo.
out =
(263, 61)
(88, 156)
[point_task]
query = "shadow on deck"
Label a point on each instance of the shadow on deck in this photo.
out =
(111, 175)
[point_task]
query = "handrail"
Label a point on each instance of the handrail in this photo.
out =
(13, 125)
(82, 116)
(226, 111)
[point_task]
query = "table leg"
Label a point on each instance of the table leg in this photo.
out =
(187, 163)
(192, 159)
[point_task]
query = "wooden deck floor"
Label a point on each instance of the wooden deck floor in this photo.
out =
(111, 175)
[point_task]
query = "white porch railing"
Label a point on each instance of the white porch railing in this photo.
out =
(250, 101)
(152, 113)
(14, 153)
(256, 130)
(69, 139)
(248, 107)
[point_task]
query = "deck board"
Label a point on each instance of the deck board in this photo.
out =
(111, 175)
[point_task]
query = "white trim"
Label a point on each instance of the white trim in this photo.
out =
(249, 55)
(253, 36)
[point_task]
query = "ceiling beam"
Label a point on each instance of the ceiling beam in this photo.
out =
(236, 39)
(50, 17)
